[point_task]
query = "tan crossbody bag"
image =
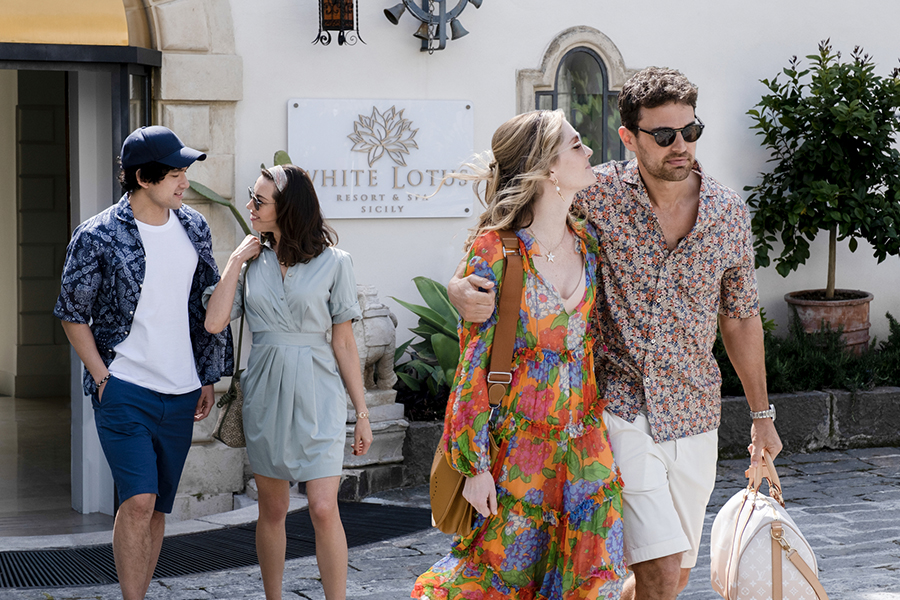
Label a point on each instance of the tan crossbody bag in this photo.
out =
(450, 512)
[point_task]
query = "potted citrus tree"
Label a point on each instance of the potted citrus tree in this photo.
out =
(831, 129)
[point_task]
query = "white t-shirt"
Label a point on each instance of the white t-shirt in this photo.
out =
(157, 353)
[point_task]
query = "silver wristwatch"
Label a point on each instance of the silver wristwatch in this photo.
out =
(764, 414)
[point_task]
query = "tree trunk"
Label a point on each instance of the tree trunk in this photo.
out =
(832, 255)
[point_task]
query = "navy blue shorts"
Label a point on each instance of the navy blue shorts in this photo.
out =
(146, 437)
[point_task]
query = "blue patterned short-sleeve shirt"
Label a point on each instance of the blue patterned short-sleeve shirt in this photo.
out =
(102, 279)
(656, 317)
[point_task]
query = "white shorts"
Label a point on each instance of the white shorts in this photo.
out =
(666, 489)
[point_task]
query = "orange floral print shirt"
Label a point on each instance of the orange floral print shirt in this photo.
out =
(656, 316)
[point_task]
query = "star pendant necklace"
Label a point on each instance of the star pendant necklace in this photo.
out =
(550, 256)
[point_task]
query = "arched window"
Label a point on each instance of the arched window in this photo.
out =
(581, 90)
(581, 72)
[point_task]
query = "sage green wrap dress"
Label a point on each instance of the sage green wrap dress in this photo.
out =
(295, 407)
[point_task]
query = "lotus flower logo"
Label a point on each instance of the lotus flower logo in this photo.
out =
(381, 133)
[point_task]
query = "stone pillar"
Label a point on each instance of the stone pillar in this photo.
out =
(381, 467)
(196, 91)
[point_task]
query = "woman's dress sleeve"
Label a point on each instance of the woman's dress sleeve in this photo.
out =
(343, 302)
(466, 426)
(237, 305)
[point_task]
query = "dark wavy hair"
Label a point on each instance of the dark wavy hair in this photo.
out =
(304, 232)
(652, 87)
(151, 172)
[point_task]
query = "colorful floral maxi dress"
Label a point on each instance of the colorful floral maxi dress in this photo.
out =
(557, 533)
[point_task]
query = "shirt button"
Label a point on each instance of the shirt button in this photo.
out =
(653, 342)
(290, 274)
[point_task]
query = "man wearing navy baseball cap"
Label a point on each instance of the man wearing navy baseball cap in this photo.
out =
(131, 305)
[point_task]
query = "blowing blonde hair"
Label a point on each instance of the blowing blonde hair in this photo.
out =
(522, 151)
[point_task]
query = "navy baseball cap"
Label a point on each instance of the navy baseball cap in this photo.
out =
(157, 144)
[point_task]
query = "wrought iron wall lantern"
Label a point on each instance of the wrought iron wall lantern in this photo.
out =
(435, 19)
(341, 16)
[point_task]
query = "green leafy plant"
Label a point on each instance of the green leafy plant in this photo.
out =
(214, 197)
(281, 158)
(803, 361)
(432, 363)
(831, 130)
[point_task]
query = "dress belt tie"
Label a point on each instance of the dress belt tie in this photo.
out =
(282, 338)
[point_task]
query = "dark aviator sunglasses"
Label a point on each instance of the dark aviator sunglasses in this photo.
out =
(257, 203)
(665, 136)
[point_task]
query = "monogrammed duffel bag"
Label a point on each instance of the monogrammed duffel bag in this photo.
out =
(757, 551)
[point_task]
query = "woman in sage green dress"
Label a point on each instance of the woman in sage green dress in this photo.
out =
(297, 289)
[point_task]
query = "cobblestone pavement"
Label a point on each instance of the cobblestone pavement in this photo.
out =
(846, 503)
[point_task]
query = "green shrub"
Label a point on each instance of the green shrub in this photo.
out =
(803, 361)
(798, 362)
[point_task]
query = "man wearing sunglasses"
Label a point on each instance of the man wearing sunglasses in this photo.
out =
(131, 306)
(677, 262)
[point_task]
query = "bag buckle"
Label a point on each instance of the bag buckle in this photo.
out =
(777, 534)
(503, 377)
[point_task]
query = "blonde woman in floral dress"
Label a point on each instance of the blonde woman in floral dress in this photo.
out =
(549, 523)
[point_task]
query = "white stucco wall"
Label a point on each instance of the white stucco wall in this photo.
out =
(724, 47)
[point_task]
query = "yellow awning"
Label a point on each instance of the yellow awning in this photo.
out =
(78, 22)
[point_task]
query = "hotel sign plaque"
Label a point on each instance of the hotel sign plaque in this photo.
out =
(383, 158)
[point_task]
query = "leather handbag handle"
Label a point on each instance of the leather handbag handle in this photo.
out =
(237, 364)
(500, 371)
(765, 470)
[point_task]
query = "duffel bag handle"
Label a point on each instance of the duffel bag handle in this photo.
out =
(765, 470)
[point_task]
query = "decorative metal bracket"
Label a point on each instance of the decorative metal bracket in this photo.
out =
(435, 19)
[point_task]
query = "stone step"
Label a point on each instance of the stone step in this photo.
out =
(387, 445)
(356, 484)
(212, 469)
(196, 505)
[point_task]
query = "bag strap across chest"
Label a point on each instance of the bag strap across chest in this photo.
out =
(500, 371)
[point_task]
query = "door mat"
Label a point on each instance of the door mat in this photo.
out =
(217, 550)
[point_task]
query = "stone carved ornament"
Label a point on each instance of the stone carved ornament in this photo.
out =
(376, 335)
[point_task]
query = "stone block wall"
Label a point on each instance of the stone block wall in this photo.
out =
(811, 421)
(196, 92)
(806, 421)
(422, 439)
(41, 347)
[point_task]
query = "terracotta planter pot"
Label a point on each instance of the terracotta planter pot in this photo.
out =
(850, 311)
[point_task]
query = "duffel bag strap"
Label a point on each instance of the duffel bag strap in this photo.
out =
(777, 581)
(779, 544)
(765, 470)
